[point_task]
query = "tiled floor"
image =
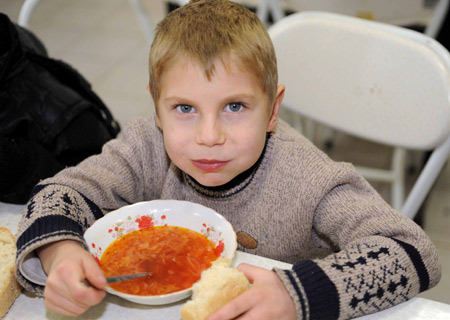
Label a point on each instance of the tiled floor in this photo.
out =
(103, 40)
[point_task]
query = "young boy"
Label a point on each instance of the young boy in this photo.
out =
(216, 140)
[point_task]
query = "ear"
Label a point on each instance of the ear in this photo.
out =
(148, 89)
(158, 121)
(276, 108)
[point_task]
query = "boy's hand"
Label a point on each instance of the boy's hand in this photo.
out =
(68, 265)
(266, 299)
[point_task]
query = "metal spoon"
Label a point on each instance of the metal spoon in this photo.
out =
(114, 279)
(124, 277)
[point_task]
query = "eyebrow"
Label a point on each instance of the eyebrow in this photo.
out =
(232, 98)
(178, 99)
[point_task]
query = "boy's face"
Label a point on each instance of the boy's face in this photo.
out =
(214, 130)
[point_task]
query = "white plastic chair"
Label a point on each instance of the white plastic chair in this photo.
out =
(372, 80)
(399, 12)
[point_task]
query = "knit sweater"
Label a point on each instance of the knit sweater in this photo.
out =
(352, 253)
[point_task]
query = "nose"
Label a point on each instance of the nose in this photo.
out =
(210, 132)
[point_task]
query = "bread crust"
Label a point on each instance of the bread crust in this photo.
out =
(218, 285)
(9, 287)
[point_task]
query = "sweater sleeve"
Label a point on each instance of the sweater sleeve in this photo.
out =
(54, 213)
(381, 258)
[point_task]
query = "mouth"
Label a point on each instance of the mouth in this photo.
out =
(209, 165)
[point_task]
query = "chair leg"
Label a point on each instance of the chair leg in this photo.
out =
(297, 122)
(272, 6)
(276, 10)
(328, 136)
(426, 179)
(437, 18)
(398, 183)
(262, 11)
(309, 129)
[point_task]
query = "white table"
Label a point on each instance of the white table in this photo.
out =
(28, 306)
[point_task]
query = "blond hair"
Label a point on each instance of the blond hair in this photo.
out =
(208, 31)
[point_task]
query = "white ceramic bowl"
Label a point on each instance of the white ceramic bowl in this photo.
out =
(160, 212)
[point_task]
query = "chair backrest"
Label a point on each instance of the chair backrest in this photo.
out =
(372, 80)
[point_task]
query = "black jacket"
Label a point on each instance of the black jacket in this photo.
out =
(49, 116)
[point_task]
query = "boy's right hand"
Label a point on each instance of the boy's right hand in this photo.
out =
(68, 265)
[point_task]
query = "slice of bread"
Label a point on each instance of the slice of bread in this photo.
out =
(217, 285)
(9, 288)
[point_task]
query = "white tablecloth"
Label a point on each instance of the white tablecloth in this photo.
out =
(10, 216)
(28, 306)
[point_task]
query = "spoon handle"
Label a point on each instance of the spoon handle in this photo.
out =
(126, 277)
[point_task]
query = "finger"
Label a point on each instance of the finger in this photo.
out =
(257, 306)
(250, 271)
(235, 307)
(67, 284)
(63, 296)
(60, 304)
(81, 294)
(94, 273)
(255, 313)
(84, 295)
(58, 288)
(60, 310)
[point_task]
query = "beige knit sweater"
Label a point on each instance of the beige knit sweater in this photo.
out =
(352, 253)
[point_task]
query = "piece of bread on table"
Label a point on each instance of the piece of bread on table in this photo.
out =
(217, 285)
(9, 288)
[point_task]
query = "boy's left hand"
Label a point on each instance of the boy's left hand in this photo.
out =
(266, 299)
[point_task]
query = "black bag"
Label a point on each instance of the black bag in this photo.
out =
(49, 116)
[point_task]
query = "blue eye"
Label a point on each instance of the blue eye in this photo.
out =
(185, 108)
(234, 106)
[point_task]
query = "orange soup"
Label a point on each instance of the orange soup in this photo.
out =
(174, 256)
